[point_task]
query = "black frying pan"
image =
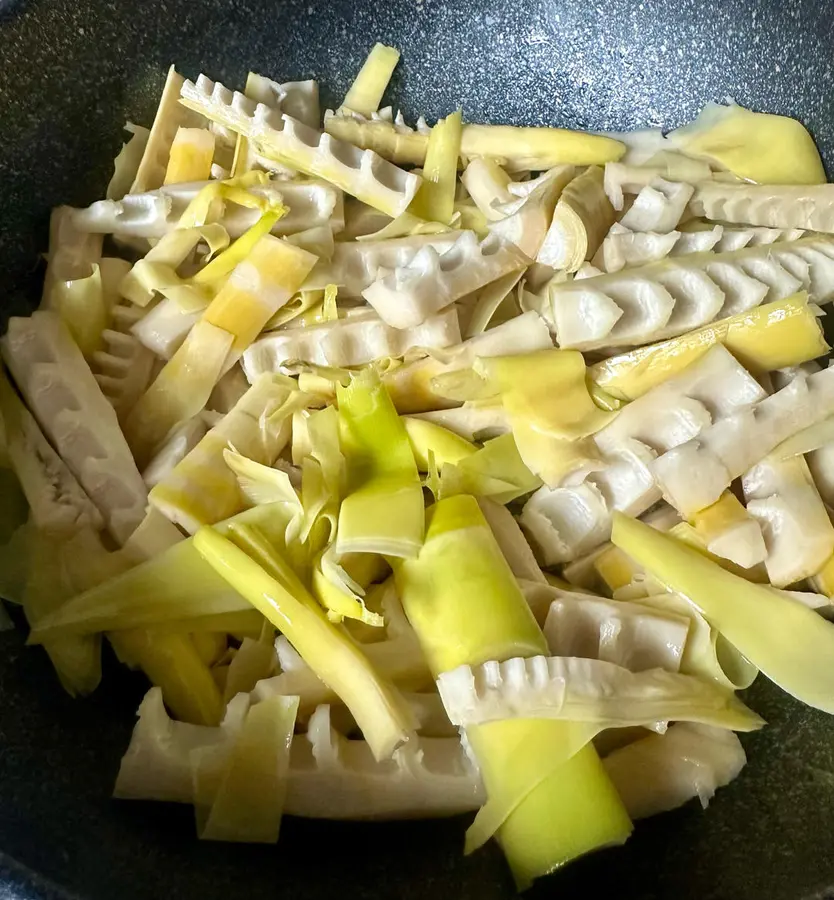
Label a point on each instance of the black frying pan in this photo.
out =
(71, 72)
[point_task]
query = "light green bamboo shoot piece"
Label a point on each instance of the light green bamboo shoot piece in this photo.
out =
(546, 787)
(754, 618)
(366, 92)
(435, 200)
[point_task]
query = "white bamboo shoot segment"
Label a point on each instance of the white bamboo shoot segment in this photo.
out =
(352, 341)
(807, 206)
(177, 445)
(311, 203)
(699, 241)
(664, 771)
(162, 330)
(798, 534)
(360, 173)
(487, 184)
(63, 395)
(622, 178)
(625, 249)
(694, 475)
(580, 220)
(329, 776)
(568, 520)
(431, 281)
(738, 237)
(658, 207)
(665, 299)
(299, 99)
(525, 221)
(517, 149)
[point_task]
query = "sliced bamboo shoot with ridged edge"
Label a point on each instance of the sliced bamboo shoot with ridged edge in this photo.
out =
(58, 505)
(670, 297)
(152, 214)
(635, 636)
(658, 207)
(625, 249)
(621, 178)
(775, 206)
(62, 392)
(586, 690)
(123, 366)
(518, 148)
(527, 219)
(487, 185)
(356, 265)
(694, 475)
(431, 281)
(568, 520)
(352, 341)
(362, 174)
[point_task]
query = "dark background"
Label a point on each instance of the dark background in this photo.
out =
(71, 71)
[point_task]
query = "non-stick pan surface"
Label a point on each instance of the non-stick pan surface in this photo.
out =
(71, 72)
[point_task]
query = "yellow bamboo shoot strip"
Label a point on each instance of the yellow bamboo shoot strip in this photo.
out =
(380, 711)
(753, 618)
(383, 510)
(520, 148)
(755, 146)
(366, 92)
(547, 790)
(435, 201)
(774, 336)
(258, 286)
(362, 174)
(192, 152)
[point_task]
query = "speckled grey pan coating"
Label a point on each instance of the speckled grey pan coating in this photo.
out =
(70, 72)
